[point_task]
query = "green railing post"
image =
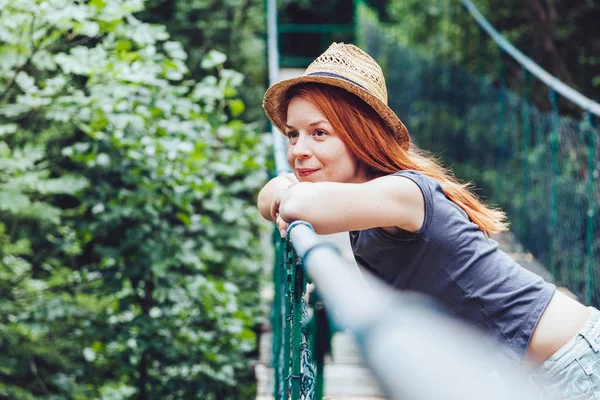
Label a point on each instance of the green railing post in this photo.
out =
(287, 334)
(320, 339)
(277, 316)
(439, 82)
(453, 12)
(447, 59)
(553, 182)
(432, 80)
(591, 208)
(481, 50)
(524, 229)
(480, 97)
(467, 84)
(501, 145)
(297, 292)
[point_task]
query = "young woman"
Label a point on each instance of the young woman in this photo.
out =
(413, 224)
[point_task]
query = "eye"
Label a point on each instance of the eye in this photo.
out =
(320, 133)
(292, 135)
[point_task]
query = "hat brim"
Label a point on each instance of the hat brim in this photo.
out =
(276, 111)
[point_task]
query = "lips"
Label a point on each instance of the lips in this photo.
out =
(306, 171)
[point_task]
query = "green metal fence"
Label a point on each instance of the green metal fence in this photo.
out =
(297, 361)
(413, 349)
(301, 43)
(540, 166)
(323, 34)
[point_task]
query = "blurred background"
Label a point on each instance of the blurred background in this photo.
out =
(132, 147)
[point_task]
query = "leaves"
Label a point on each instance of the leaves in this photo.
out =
(212, 59)
(126, 210)
(231, 27)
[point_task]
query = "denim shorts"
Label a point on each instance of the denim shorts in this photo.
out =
(573, 372)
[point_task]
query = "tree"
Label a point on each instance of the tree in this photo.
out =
(130, 257)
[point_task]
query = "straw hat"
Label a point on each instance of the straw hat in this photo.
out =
(345, 66)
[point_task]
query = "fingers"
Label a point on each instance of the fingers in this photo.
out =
(281, 225)
(275, 208)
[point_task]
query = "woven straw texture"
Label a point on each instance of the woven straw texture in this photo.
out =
(348, 67)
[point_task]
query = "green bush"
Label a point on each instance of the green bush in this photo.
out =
(234, 27)
(129, 263)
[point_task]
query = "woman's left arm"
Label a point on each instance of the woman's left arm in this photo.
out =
(337, 207)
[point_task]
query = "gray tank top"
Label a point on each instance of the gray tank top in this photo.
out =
(451, 259)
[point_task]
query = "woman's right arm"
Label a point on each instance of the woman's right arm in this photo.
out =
(269, 192)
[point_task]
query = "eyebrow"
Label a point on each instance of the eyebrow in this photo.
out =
(311, 124)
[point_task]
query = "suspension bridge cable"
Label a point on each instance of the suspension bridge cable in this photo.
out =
(527, 63)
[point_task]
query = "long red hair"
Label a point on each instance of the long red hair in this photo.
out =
(372, 143)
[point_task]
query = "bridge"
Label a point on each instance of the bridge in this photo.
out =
(537, 159)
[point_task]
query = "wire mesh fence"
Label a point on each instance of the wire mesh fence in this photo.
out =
(540, 166)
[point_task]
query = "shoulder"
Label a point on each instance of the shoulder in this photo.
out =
(398, 187)
(404, 194)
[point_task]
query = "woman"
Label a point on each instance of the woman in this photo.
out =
(412, 224)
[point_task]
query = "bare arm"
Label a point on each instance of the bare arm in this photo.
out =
(390, 201)
(271, 190)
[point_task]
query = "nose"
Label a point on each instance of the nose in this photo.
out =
(301, 148)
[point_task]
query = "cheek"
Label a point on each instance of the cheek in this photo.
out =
(351, 165)
(347, 157)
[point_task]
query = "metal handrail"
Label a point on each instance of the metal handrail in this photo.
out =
(414, 351)
(566, 91)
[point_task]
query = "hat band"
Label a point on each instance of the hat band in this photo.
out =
(330, 75)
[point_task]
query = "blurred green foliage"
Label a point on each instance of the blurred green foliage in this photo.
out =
(233, 27)
(559, 35)
(129, 255)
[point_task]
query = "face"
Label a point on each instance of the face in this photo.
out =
(316, 153)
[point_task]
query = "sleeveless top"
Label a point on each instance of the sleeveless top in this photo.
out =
(451, 259)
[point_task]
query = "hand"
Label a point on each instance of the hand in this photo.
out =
(275, 204)
(269, 192)
(280, 206)
(274, 211)
(281, 225)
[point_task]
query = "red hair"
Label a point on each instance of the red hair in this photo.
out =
(374, 145)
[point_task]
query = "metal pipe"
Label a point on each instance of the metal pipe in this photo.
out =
(279, 145)
(414, 350)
